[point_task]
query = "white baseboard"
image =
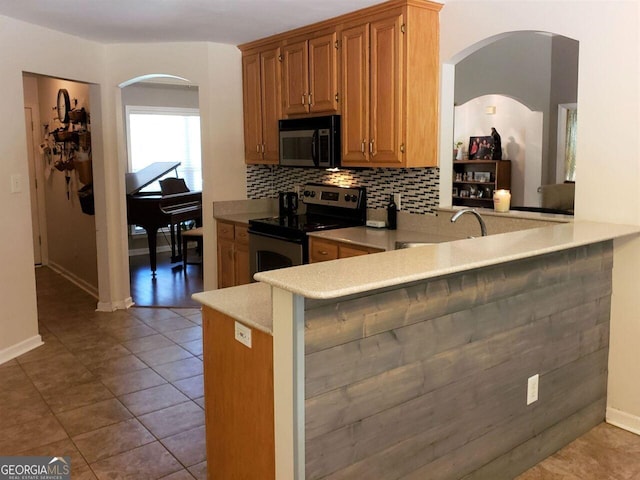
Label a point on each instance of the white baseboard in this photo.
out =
(113, 306)
(79, 282)
(18, 349)
(623, 420)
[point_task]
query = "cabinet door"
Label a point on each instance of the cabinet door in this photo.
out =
(271, 103)
(252, 108)
(323, 74)
(226, 264)
(242, 269)
(386, 91)
(355, 95)
(295, 78)
(241, 257)
(346, 251)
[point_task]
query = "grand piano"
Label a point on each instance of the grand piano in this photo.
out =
(152, 210)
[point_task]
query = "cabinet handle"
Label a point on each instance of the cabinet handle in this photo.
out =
(371, 147)
(363, 146)
(258, 147)
(323, 252)
(304, 100)
(263, 148)
(310, 102)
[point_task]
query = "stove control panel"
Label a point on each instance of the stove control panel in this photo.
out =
(331, 195)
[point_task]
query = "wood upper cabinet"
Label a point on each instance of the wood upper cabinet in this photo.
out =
(262, 105)
(385, 103)
(390, 90)
(310, 75)
(252, 97)
(372, 90)
(295, 78)
(386, 85)
(355, 95)
(323, 73)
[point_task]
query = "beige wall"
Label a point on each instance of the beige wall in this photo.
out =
(608, 141)
(24, 48)
(217, 67)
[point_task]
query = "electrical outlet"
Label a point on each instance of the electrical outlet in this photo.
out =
(243, 334)
(532, 389)
(397, 197)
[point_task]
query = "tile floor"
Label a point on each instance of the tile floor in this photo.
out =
(122, 394)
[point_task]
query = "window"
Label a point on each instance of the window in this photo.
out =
(163, 134)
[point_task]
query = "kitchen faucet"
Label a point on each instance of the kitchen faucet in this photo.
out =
(483, 226)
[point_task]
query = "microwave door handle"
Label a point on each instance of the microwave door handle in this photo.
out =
(314, 148)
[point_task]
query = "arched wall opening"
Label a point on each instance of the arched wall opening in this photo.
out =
(536, 68)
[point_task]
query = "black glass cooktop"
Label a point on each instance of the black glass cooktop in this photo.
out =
(297, 226)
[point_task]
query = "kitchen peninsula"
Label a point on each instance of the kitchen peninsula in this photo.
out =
(413, 363)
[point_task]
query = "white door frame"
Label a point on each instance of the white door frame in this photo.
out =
(36, 177)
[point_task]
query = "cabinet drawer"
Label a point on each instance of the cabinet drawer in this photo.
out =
(241, 234)
(320, 251)
(225, 230)
(350, 251)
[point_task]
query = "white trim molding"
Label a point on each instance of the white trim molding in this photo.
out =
(113, 306)
(79, 282)
(623, 420)
(18, 349)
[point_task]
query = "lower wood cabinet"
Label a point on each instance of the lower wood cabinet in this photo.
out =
(321, 250)
(238, 388)
(233, 254)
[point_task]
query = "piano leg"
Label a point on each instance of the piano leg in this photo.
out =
(176, 243)
(152, 234)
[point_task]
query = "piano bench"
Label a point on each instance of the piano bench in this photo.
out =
(195, 234)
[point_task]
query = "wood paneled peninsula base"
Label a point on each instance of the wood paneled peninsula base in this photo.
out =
(424, 378)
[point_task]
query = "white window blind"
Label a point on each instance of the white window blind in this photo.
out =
(163, 134)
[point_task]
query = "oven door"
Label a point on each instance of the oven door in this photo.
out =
(269, 252)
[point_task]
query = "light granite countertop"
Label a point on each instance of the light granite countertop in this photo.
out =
(380, 237)
(364, 273)
(249, 304)
(243, 218)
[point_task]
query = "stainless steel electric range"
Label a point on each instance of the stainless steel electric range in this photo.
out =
(279, 242)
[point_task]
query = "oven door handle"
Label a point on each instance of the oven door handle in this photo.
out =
(314, 148)
(276, 237)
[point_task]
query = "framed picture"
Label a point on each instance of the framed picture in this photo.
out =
(484, 177)
(481, 148)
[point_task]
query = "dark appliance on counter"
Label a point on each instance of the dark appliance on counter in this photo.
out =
(279, 242)
(310, 142)
(287, 204)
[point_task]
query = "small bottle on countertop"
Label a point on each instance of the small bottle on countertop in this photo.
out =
(392, 214)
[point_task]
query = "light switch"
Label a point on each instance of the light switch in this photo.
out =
(16, 183)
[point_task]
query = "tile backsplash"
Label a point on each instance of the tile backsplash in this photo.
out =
(418, 186)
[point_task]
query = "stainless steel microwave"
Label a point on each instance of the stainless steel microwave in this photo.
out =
(310, 142)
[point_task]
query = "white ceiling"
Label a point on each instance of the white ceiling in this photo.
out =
(221, 21)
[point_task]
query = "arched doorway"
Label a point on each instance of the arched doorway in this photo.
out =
(161, 124)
